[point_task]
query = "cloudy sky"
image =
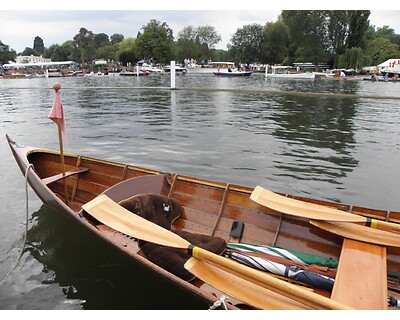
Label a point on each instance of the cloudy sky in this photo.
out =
(57, 22)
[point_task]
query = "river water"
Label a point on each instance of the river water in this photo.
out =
(329, 139)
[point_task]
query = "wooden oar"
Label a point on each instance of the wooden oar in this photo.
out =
(113, 215)
(361, 233)
(314, 211)
(240, 288)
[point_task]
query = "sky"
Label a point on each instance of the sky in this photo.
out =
(57, 22)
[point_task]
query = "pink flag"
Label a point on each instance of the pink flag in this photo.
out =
(57, 114)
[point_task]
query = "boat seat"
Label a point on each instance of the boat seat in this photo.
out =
(60, 176)
(136, 185)
(361, 280)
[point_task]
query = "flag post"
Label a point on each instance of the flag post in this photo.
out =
(57, 115)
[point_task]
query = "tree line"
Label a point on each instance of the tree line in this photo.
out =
(340, 38)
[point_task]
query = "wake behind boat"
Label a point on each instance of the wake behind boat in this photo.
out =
(218, 229)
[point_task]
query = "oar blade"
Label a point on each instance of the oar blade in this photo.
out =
(360, 233)
(299, 208)
(117, 217)
(239, 288)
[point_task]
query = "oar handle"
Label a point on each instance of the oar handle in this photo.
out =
(384, 225)
(287, 289)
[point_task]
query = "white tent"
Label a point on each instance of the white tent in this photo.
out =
(390, 65)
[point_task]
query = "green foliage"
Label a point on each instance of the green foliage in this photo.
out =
(116, 38)
(67, 51)
(207, 35)
(29, 52)
(101, 40)
(197, 43)
(358, 25)
(353, 58)
(126, 52)
(38, 45)
(107, 52)
(246, 43)
(6, 54)
(155, 43)
(381, 49)
(275, 44)
(84, 41)
(388, 33)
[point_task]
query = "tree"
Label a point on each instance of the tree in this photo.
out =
(29, 52)
(116, 38)
(275, 42)
(67, 51)
(6, 54)
(38, 45)
(245, 44)
(127, 51)
(337, 32)
(358, 26)
(381, 49)
(101, 40)
(353, 58)
(107, 52)
(388, 33)
(197, 43)
(155, 43)
(208, 36)
(185, 46)
(306, 35)
(84, 41)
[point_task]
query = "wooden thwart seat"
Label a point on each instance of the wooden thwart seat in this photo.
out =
(361, 279)
(60, 176)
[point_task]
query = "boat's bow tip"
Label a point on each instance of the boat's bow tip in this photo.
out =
(9, 139)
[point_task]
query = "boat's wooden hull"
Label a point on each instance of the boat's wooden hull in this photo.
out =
(210, 208)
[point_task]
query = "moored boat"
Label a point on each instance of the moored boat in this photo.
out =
(178, 69)
(283, 72)
(128, 73)
(53, 73)
(210, 67)
(214, 214)
(380, 78)
(233, 73)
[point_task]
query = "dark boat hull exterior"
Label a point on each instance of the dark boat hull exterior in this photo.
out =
(210, 208)
(233, 74)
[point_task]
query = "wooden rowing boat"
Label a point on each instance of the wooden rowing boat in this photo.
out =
(96, 197)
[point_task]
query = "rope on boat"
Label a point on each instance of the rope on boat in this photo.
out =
(219, 303)
(30, 166)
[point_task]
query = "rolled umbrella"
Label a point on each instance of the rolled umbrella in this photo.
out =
(293, 272)
(293, 255)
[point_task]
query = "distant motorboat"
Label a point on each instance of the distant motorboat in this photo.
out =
(152, 69)
(178, 69)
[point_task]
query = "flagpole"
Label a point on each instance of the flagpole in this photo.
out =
(57, 87)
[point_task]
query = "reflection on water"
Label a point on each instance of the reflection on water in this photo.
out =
(333, 147)
(91, 274)
(318, 135)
